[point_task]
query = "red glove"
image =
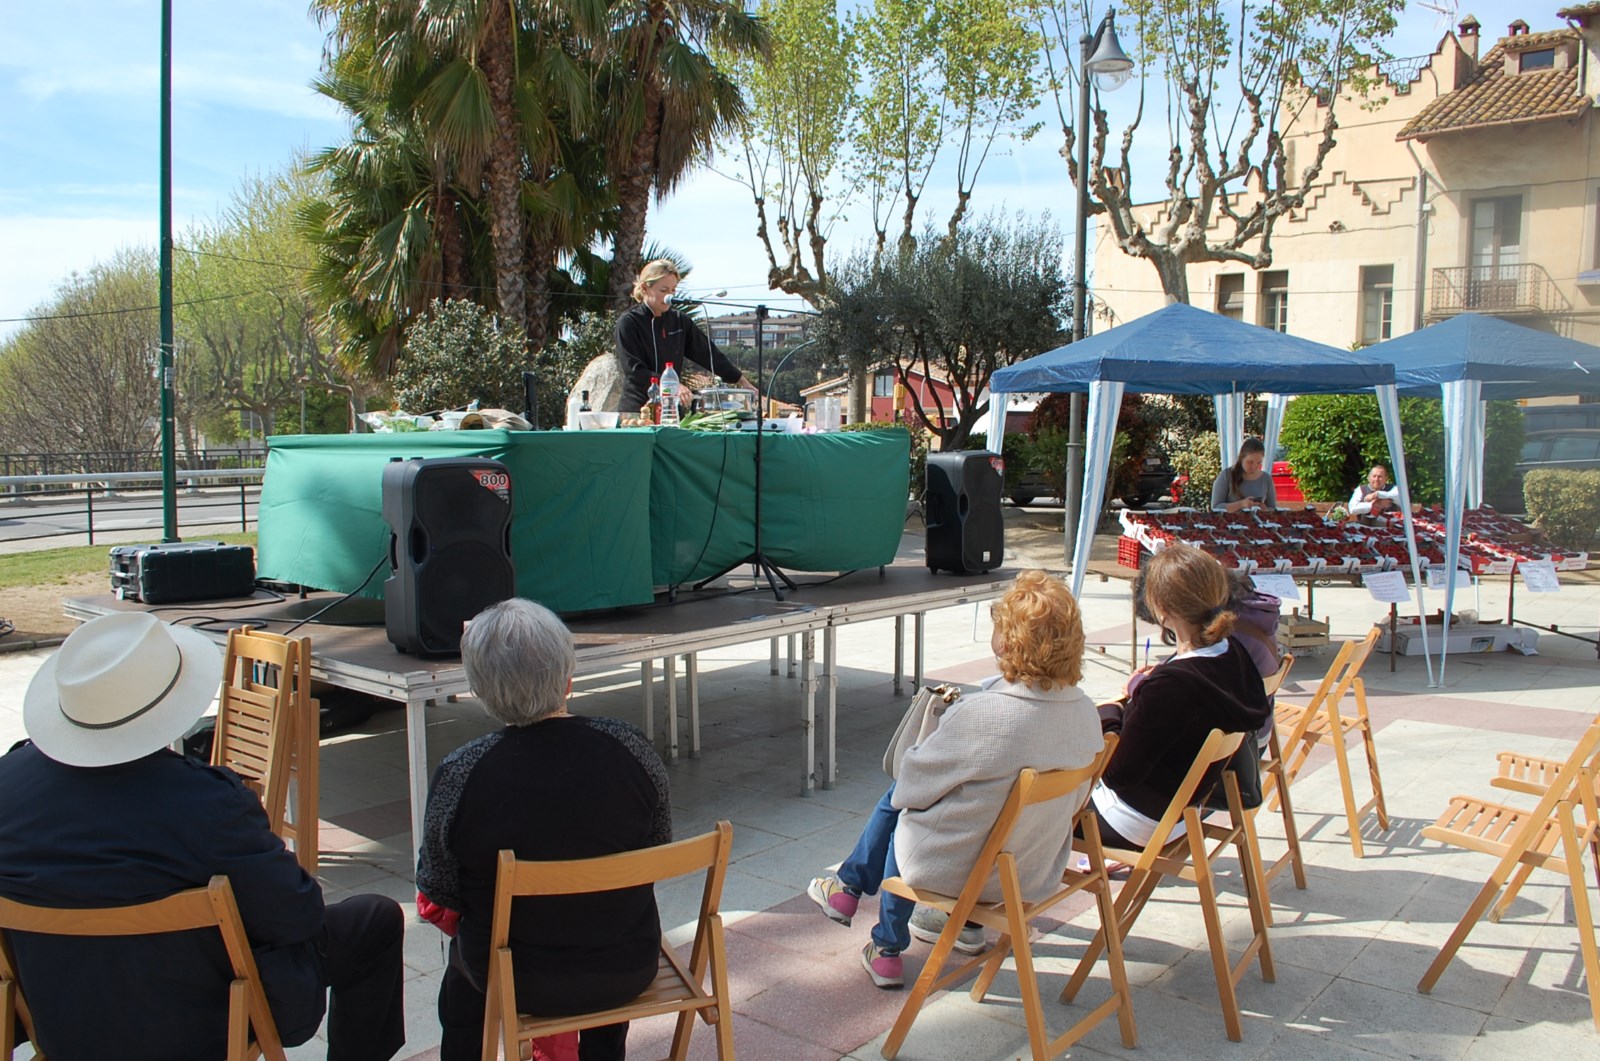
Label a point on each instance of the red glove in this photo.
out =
(562, 1047)
(446, 921)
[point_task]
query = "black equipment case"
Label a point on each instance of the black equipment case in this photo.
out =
(182, 571)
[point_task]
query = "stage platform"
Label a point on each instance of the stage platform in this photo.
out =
(359, 656)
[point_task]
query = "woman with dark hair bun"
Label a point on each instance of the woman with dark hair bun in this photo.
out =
(1167, 710)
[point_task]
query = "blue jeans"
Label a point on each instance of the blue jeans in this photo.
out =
(868, 865)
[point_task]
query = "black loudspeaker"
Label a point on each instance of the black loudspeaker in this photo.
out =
(966, 534)
(449, 548)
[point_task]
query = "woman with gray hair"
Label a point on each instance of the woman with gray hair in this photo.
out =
(548, 786)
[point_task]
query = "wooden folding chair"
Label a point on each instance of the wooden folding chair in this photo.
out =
(1011, 915)
(1547, 836)
(676, 988)
(1321, 722)
(1533, 775)
(1188, 858)
(208, 907)
(268, 729)
(1274, 782)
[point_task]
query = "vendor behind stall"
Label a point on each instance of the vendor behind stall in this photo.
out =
(1375, 496)
(652, 334)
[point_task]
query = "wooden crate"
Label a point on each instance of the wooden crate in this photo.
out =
(1296, 631)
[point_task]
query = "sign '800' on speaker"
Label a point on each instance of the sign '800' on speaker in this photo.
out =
(449, 548)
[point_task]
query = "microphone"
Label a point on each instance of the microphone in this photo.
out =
(684, 300)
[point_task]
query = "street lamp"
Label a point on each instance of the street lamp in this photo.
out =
(1102, 57)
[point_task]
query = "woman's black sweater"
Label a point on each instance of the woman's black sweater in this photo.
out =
(1168, 718)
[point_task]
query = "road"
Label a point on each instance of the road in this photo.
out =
(27, 524)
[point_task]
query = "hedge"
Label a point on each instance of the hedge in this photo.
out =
(1564, 504)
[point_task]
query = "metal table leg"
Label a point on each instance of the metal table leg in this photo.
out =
(669, 671)
(774, 655)
(791, 655)
(808, 713)
(830, 706)
(417, 757)
(899, 650)
(916, 649)
(647, 698)
(691, 666)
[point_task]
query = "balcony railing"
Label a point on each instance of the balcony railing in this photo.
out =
(1510, 290)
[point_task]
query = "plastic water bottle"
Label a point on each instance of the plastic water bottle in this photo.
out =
(669, 396)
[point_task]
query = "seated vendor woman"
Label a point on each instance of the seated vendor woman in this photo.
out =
(1375, 496)
(1165, 717)
(1245, 484)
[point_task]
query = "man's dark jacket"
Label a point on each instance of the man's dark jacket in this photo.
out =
(118, 835)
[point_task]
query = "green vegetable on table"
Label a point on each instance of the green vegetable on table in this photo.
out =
(720, 420)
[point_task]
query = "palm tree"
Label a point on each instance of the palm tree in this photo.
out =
(496, 92)
(667, 103)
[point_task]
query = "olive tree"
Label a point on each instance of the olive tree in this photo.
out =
(952, 308)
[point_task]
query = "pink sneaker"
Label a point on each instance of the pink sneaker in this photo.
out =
(886, 970)
(828, 892)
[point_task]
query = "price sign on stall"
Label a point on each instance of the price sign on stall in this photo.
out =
(1437, 577)
(1387, 587)
(1284, 587)
(1539, 576)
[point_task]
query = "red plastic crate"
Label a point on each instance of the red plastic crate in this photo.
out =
(1128, 550)
(1285, 485)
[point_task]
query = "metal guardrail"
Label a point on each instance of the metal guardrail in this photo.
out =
(1508, 289)
(107, 461)
(117, 484)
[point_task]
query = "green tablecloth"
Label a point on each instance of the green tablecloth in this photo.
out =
(830, 502)
(599, 517)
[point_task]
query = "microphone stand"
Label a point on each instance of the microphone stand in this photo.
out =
(758, 559)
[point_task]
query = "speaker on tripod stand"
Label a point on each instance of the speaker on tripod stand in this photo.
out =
(449, 548)
(965, 531)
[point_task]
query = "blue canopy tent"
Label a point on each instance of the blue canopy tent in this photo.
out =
(1468, 360)
(1183, 350)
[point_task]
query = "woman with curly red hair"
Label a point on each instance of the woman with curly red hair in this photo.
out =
(929, 827)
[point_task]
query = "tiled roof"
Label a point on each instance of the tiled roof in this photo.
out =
(1494, 98)
(1580, 11)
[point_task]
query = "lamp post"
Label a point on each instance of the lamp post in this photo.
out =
(1100, 55)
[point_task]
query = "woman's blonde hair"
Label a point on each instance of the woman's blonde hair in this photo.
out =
(1191, 584)
(1041, 632)
(652, 272)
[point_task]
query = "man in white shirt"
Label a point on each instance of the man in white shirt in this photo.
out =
(1375, 496)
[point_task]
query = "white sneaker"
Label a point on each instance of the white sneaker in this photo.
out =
(927, 924)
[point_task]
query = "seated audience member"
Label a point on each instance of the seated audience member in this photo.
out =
(548, 786)
(1375, 496)
(96, 811)
(1245, 483)
(932, 823)
(1211, 683)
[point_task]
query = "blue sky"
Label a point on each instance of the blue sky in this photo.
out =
(79, 97)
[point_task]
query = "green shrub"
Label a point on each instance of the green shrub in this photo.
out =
(1564, 504)
(457, 354)
(1201, 462)
(1333, 439)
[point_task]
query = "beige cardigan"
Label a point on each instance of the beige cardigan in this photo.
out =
(952, 786)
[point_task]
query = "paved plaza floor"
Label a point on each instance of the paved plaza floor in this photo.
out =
(1349, 949)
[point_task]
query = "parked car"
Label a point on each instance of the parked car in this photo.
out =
(1155, 484)
(1577, 449)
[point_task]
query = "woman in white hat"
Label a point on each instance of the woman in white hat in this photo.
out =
(96, 810)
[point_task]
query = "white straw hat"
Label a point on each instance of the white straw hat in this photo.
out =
(120, 687)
